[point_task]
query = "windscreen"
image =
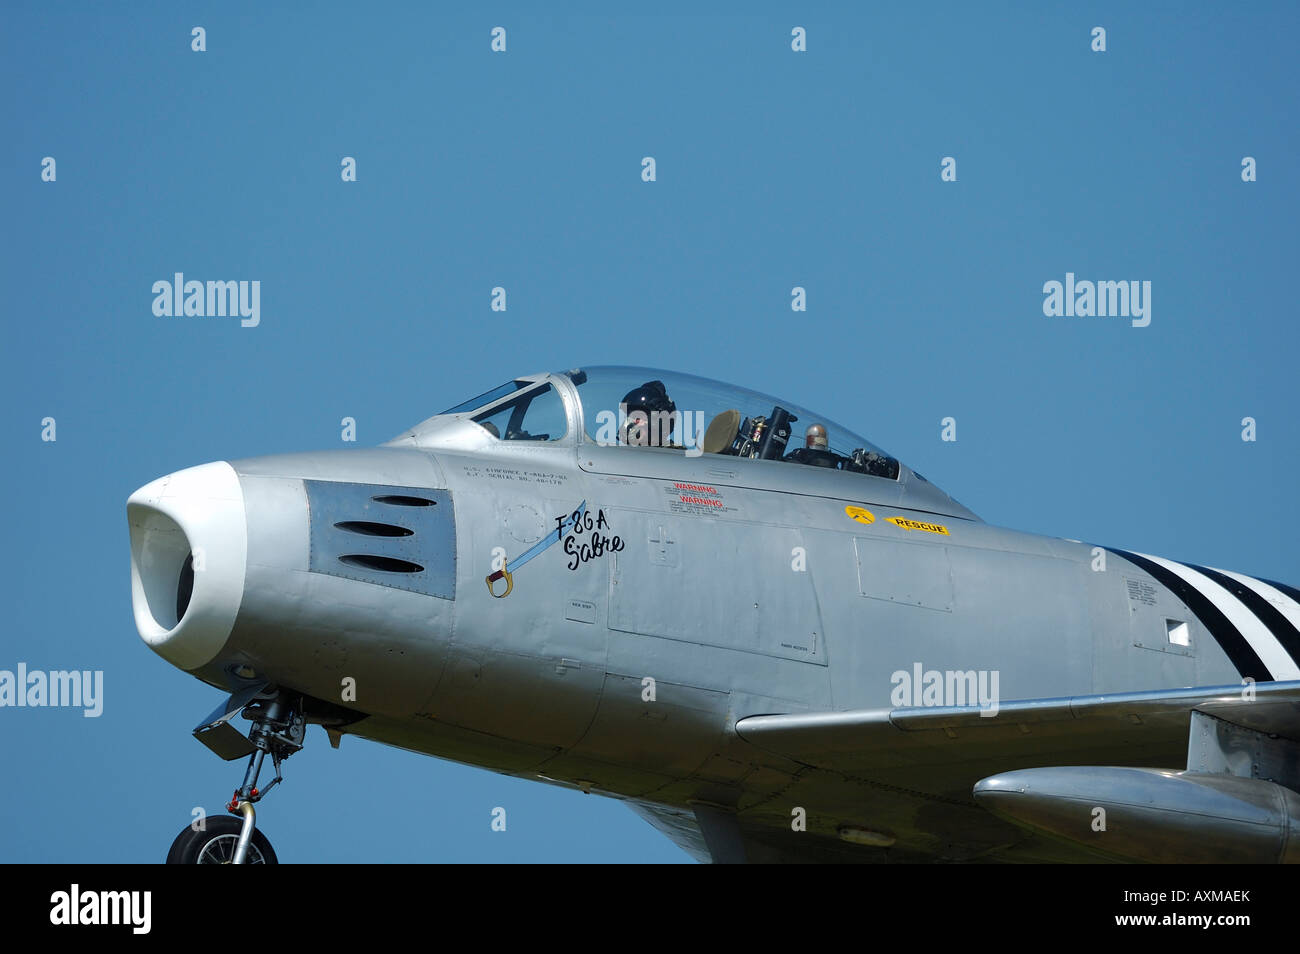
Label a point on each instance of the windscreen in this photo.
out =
(487, 397)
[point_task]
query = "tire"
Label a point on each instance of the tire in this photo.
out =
(216, 845)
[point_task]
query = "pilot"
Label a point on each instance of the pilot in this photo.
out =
(649, 416)
(816, 450)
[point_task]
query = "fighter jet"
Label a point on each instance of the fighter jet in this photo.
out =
(769, 637)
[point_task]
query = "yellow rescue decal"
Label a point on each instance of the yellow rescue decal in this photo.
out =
(861, 514)
(918, 525)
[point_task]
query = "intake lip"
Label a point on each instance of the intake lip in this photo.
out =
(189, 555)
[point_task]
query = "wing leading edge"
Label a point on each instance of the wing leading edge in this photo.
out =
(1132, 727)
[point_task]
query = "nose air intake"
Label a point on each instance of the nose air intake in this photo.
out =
(185, 587)
(189, 550)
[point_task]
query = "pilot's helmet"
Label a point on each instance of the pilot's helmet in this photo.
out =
(660, 415)
(815, 437)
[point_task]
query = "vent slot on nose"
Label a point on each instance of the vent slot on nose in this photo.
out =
(403, 537)
(370, 529)
(381, 563)
(185, 587)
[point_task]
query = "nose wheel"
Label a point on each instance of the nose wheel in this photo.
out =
(279, 728)
(218, 844)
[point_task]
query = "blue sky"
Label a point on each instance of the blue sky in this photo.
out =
(522, 169)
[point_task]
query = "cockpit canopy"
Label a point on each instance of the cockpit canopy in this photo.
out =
(644, 407)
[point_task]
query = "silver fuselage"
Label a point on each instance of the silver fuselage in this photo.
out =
(734, 588)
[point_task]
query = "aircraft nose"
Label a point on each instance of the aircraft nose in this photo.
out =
(189, 552)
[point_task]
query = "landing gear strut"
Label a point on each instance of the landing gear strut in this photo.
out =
(279, 727)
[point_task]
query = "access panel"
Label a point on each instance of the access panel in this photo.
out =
(718, 583)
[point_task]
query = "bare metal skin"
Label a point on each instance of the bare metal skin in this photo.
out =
(817, 657)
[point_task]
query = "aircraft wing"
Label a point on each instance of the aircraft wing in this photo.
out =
(932, 758)
(1135, 728)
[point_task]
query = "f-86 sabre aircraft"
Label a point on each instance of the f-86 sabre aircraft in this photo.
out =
(766, 635)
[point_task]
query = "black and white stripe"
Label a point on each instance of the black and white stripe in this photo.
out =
(1287, 593)
(1257, 623)
(1254, 594)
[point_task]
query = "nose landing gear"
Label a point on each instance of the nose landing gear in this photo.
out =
(279, 728)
